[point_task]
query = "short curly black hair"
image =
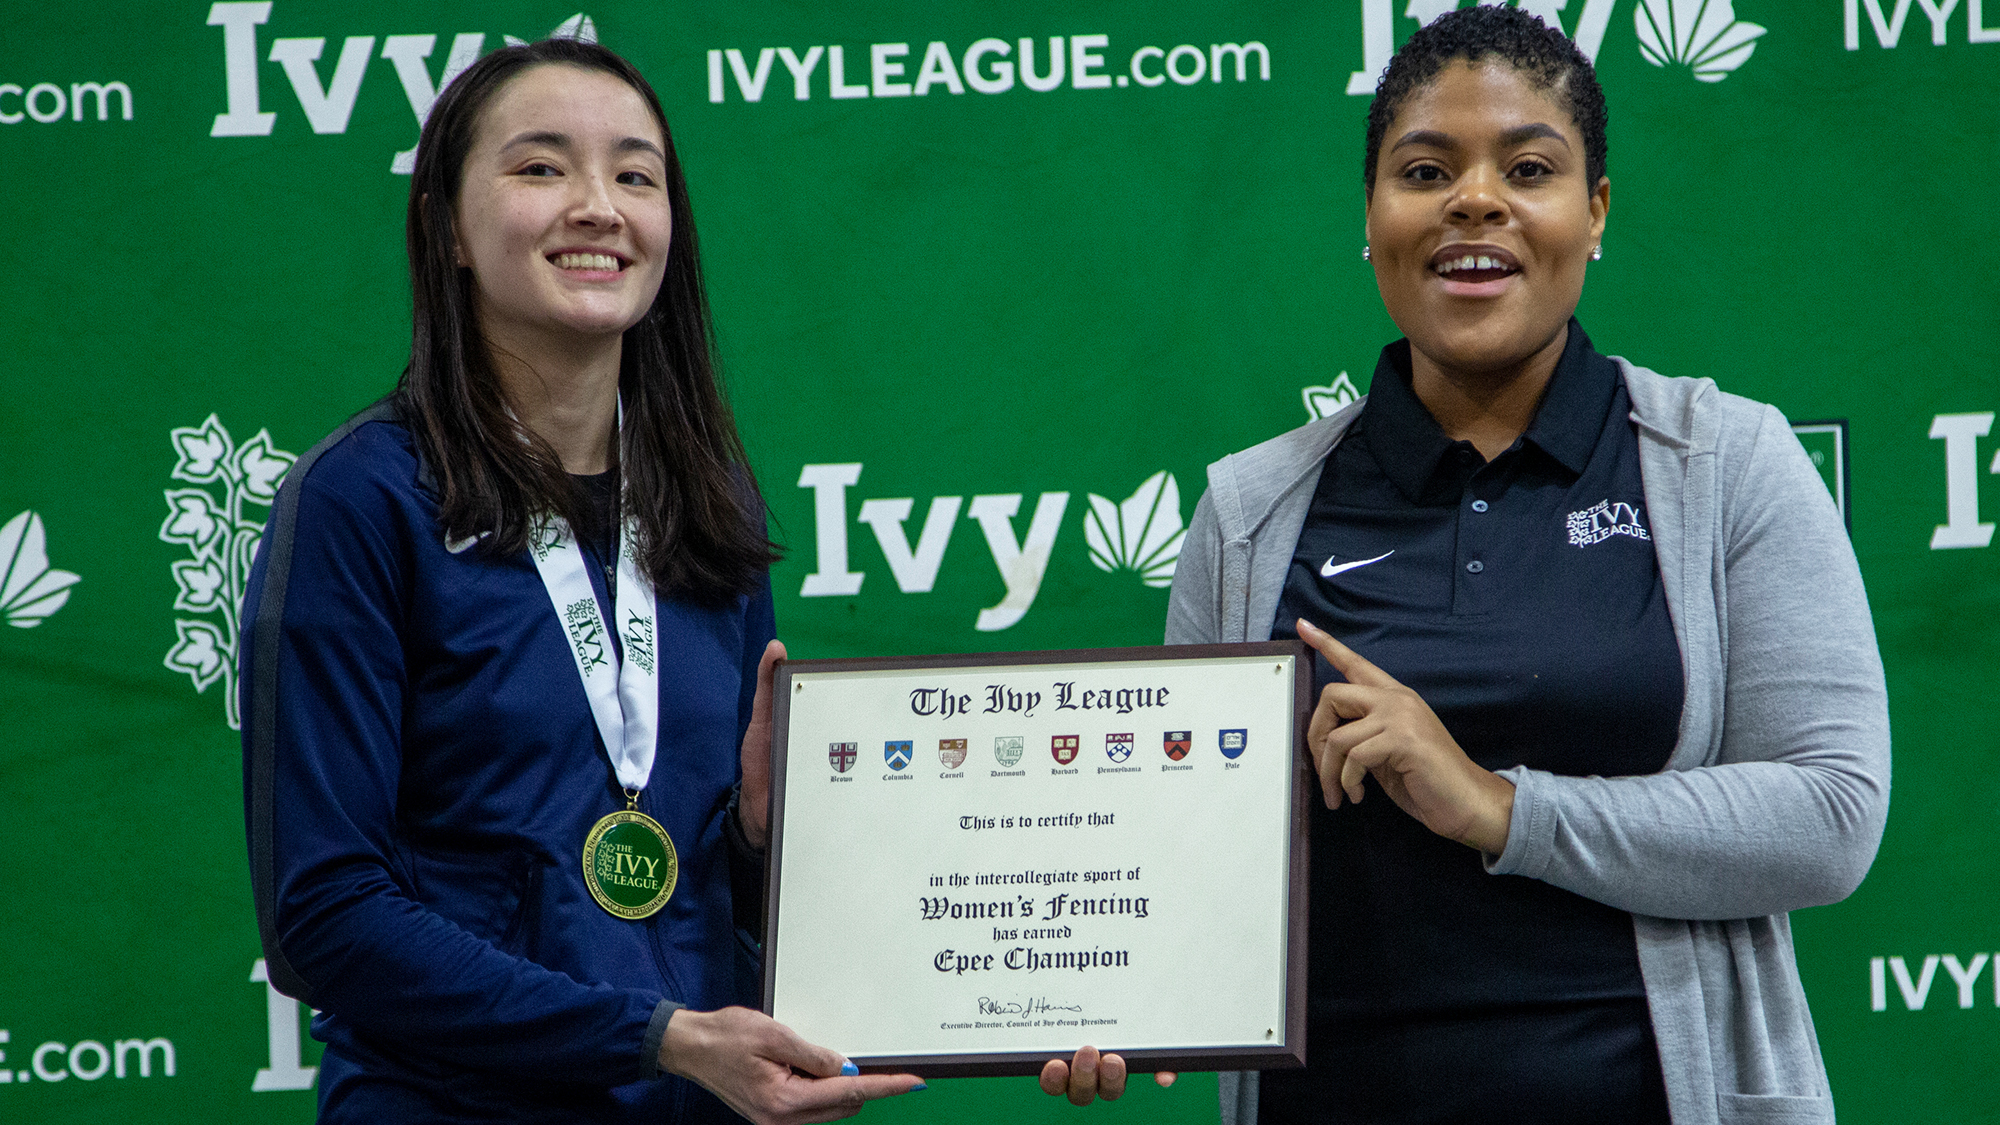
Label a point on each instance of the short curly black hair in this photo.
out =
(1542, 54)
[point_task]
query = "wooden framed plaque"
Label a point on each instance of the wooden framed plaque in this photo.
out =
(980, 863)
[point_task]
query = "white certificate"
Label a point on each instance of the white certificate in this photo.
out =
(983, 862)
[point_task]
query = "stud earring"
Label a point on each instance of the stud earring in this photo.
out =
(1365, 252)
(1596, 253)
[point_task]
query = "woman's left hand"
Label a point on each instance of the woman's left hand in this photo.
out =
(1374, 725)
(754, 806)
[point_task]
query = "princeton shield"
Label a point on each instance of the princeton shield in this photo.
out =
(1178, 743)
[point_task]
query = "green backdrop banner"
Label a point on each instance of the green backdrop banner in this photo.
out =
(993, 287)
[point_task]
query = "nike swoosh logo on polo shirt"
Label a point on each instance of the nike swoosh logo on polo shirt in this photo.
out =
(1330, 570)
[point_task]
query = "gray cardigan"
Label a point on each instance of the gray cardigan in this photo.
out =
(1776, 793)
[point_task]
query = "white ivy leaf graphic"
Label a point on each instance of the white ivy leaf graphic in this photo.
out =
(193, 519)
(579, 27)
(260, 467)
(202, 652)
(1425, 11)
(248, 535)
(1143, 534)
(29, 590)
(219, 525)
(1703, 35)
(202, 582)
(204, 451)
(1323, 401)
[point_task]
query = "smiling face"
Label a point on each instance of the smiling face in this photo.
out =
(562, 213)
(1480, 222)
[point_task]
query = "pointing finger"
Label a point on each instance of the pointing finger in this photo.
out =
(1346, 661)
(872, 1086)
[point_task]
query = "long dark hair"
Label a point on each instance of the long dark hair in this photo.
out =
(687, 480)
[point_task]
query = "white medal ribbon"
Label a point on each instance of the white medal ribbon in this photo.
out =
(624, 695)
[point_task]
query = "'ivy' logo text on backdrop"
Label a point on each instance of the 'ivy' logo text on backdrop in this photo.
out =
(1141, 535)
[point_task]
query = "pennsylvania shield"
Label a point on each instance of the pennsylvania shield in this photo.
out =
(951, 752)
(1118, 747)
(840, 755)
(1178, 743)
(898, 754)
(1064, 747)
(1232, 742)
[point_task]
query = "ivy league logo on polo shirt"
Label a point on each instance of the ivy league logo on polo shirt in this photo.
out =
(1603, 520)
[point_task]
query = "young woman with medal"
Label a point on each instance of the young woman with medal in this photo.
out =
(508, 651)
(1600, 697)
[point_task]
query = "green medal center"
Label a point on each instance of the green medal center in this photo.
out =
(630, 865)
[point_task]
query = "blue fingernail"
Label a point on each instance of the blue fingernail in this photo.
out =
(919, 1086)
(849, 1069)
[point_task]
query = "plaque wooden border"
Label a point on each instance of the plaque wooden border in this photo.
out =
(1303, 781)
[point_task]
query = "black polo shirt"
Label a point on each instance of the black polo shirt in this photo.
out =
(1521, 598)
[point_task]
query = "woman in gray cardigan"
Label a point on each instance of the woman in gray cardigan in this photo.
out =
(1622, 707)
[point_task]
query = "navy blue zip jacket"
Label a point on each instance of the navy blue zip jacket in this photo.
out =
(421, 768)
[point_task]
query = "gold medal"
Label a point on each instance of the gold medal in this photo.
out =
(630, 865)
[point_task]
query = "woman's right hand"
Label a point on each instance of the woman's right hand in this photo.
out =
(1091, 1075)
(1371, 724)
(749, 1060)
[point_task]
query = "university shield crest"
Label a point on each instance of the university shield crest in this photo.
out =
(1064, 747)
(897, 754)
(951, 752)
(1118, 747)
(1233, 742)
(1178, 743)
(840, 755)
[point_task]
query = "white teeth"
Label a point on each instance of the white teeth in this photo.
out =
(1471, 262)
(585, 262)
